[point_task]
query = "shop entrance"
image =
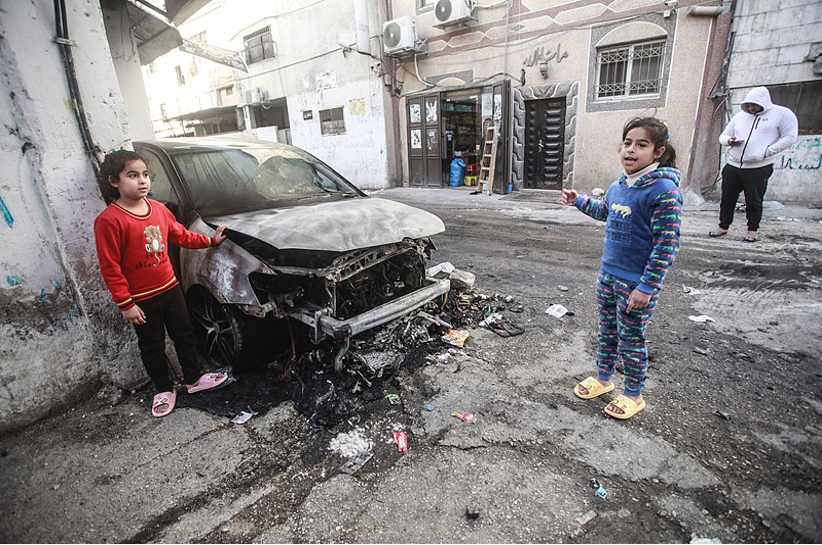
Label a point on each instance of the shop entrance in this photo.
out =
(463, 115)
(451, 125)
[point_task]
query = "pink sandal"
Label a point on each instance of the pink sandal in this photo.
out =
(207, 382)
(163, 398)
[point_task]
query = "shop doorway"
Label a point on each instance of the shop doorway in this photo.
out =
(463, 115)
(451, 125)
(544, 143)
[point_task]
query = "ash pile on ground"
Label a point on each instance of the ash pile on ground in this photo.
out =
(369, 368)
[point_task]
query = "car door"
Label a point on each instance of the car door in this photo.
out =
(163, 190)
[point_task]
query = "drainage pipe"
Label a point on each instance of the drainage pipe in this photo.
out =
(65, 45)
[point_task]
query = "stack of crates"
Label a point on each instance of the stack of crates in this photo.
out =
(471, 173)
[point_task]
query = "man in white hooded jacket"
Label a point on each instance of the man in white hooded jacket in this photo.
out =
(755, 135)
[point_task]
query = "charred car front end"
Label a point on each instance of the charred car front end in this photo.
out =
(304, 245)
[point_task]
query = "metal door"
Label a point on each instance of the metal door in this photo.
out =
(424, 146)
(544, 143)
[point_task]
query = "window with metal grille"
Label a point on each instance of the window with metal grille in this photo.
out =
(630, 70)
(332, 122)
(258, 46)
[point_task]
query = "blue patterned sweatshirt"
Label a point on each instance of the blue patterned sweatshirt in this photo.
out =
(642, 226)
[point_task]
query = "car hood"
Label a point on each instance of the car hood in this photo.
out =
(339, 226)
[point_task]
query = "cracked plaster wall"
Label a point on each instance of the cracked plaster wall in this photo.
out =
(59, 332)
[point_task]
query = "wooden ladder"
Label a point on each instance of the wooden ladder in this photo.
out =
(489, 162)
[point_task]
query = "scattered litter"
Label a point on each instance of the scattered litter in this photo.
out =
(472, 511)
(500, 325)
(586, 518)
(690, 290)
(557, 311)
(702, 318)
(354, 464)
(456, 337)
(465, 417)
(562, 288)
(601, 492)
(243, 417)
(706, 541)
(402, 441)
(701, 351)
(429, 408)
(350, 444)
(445, 267)
(394, 399)
(491, 319)
(720, 414)
(506, 328)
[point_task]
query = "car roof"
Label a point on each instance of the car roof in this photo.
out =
(171, 145)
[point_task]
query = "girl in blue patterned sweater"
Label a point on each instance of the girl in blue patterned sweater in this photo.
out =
(642, 211)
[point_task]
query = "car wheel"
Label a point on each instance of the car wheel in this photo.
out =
(225, 336)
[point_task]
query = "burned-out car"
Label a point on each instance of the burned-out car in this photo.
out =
(306, 249)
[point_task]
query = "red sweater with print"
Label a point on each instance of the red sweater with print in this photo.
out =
(133, 254)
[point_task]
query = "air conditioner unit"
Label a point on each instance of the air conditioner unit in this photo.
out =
(451, 12)
(400, 35)
(255, 96)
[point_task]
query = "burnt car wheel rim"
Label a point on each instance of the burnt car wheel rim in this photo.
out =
(218, 328)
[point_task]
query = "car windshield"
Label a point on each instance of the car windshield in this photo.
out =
(229, 180)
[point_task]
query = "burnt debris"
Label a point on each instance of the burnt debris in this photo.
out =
(305, 373)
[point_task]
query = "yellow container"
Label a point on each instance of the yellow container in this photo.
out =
(470, 180)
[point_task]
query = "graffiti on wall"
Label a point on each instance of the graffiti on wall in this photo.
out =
(805, 154)
(6, 213)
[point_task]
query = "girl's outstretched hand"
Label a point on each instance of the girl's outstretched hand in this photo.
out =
(219, 237)
(569, 196)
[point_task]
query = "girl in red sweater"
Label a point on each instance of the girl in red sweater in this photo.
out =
(131, 236)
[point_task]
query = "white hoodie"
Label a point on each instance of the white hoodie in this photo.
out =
(763, 135)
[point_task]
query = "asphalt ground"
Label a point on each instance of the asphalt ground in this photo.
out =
(728, 449)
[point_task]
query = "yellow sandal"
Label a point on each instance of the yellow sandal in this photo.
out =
(594, 387)
(628, 406)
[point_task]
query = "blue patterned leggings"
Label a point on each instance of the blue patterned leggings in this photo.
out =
(622, 333)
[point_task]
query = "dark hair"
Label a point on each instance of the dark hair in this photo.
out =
(114, 163)
(659, 134)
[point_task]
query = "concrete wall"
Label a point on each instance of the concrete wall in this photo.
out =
(772, 40)
(568, 37)
(60, 335)
(126, 61)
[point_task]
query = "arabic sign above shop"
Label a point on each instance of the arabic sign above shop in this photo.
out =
(540, 55)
